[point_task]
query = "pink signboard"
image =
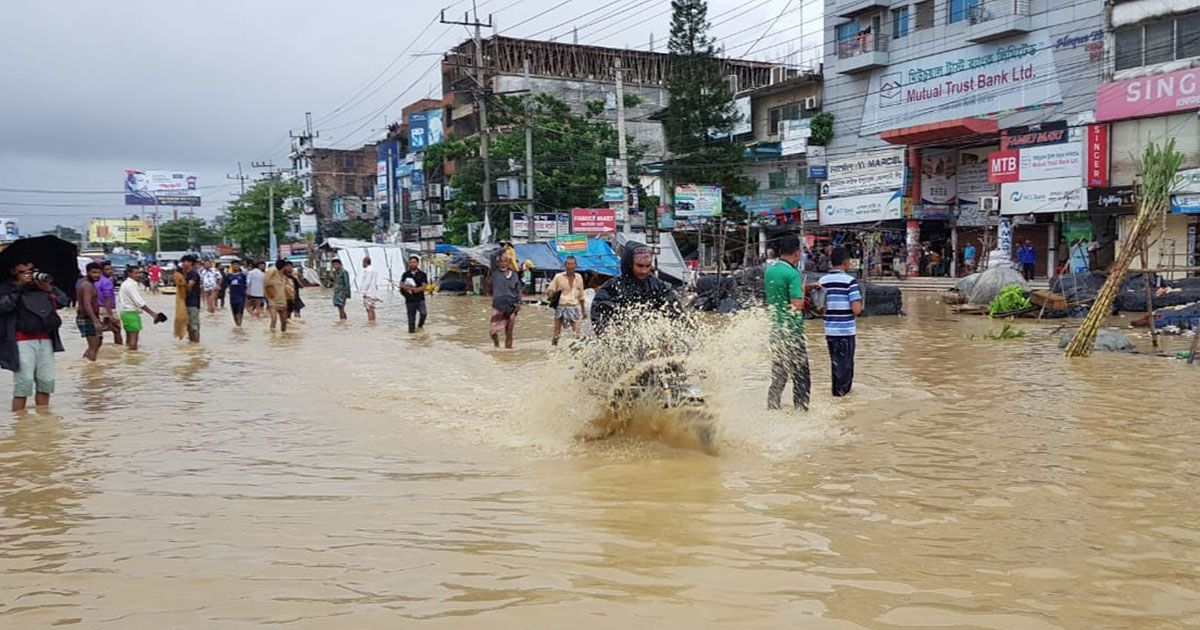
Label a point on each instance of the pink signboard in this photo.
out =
(1147, 96)
(594, 221)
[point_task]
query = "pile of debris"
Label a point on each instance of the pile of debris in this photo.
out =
(1175, 302)
(744, 289)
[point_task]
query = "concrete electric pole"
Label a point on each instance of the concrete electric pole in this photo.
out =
(481, 92)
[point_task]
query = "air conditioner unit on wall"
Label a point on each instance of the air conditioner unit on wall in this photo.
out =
(989, 205)
(812, 103)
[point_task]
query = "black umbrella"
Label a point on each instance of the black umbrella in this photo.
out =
(49, 254)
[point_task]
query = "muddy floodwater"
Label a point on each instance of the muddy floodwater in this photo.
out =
(346, 476)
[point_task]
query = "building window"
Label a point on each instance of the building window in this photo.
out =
(368, 187)
(924, 12)
(961, 9)
(348, 161)
(777, 179)
(847, 30)
(791, 111)
(899, 22)
(1161, 41)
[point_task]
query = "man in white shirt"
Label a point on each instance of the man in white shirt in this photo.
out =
(256, 289)
(130, 305)
(370, 292)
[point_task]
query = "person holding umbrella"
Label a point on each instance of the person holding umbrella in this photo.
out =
(29, 321)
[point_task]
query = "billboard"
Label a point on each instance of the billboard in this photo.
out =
(425, 129)
(861, 209)
(866, 173)
(571, 243)
(1065, 194)
(1149, 95)
(693, 200)
(161, 188)
(939, 177)
(973, 81)
(11, 229)
(544, 225)
(120, 231)
(594, 221)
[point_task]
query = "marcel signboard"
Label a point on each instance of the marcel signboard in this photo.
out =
(865, 173)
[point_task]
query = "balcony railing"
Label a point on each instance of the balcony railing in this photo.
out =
(861, 44)
(993, 9)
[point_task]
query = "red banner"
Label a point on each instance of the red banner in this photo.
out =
(594, 221)
(1097, 156)
(1004, 166)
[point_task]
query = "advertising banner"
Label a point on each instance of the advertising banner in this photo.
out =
(1052, 161)
(817, 168)
(866, 173)
(1004, 166)
(1097, 155)
(424, 129)
(163, 188)
(939, 177)
(1187, 182)
(692, 201)
(308, 223)
(745, 123)
(795, 136)
(973, 185)
(1064, 194)
(1185, 204)
(571, 243)
(430, 232)
(593, 221)
(1055, 132)
(120, 231)
(544, 225)
(1146, 96)
(973, 81)
(860, 209)
(613, 194)
(10, 229)
(1116, 200)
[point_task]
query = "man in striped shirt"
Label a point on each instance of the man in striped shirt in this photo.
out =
(843, 302)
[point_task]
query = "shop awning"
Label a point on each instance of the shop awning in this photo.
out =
(958, 129)
(599, 258)
(543, 256)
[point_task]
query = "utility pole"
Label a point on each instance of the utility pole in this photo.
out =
(240, 177)
(623, 155)
(272, 175)
(481, 95)
(157, 236)
(529, 156)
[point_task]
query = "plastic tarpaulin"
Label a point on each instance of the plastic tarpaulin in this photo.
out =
(598, 258)
(544, 258)
(388, 261)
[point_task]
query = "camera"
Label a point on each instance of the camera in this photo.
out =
(41, 276)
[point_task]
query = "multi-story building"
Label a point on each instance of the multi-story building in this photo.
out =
(338, 185)
(1152, 94)
(955, 119)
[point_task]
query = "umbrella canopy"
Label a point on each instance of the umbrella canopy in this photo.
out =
(49, 254)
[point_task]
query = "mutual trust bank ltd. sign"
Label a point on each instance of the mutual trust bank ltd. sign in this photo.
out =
(978, 80)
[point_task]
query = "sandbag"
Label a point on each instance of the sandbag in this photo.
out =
(1106, 341)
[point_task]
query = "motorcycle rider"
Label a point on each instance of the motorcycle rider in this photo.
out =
(636, 288)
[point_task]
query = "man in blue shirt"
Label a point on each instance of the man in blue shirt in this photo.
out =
(1027, 257)
(843, 302)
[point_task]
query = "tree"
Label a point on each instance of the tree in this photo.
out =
(174, 235)
(569, 150)
(246, 220)
(700, 116)
(65, 233)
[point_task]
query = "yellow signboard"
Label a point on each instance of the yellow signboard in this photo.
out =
(120, 231)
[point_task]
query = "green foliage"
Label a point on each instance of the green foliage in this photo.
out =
(359, 229)
(822, 129)
(173, 235)
(1005, 334)
(65, 233)
(246, 220)
(1011, 298)
(568, 158)
(699, 120)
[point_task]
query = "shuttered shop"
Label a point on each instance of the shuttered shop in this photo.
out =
(1130, 137)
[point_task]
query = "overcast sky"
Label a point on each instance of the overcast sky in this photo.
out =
(92, 88)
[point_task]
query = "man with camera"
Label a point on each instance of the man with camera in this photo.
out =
(29, 324)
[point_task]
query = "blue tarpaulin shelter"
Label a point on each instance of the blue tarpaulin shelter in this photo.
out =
(598, 258)
(543, 256)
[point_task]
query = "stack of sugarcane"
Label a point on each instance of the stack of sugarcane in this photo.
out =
(1159, 165)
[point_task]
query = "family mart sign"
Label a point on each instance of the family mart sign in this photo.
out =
(979, 80)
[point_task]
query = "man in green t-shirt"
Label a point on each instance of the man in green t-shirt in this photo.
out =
(784, 289)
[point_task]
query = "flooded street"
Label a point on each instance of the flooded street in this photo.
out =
(344, 476)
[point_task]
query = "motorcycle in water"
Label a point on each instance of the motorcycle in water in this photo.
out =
(656, 399)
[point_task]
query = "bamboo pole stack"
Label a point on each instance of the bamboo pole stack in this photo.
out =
(1159, 165)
